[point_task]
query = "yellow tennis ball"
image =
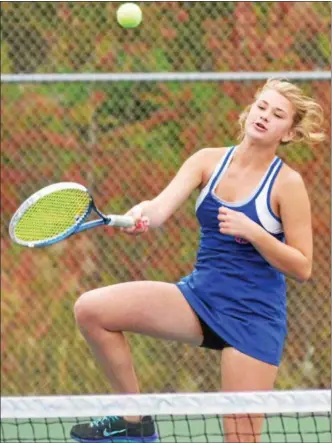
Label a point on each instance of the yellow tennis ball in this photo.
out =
(129, 15)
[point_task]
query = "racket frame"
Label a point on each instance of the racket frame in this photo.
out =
(78, 226)
(37, 196)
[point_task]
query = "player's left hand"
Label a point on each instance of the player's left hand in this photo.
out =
(235, 223)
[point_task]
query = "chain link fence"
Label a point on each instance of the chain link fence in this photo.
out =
(125, 141)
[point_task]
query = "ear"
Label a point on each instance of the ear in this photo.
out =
(288, 137)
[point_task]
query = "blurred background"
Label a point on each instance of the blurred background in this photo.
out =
(125, 140)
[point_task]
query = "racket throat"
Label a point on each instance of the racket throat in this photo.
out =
(104, 217)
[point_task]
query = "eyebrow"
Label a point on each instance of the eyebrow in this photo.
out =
(277, 109)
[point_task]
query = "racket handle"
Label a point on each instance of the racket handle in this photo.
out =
(122, 221)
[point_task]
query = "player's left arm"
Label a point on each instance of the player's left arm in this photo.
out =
(294, 257)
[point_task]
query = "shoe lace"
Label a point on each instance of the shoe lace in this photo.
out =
(106, 420)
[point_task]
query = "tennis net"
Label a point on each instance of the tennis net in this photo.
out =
(289, 416)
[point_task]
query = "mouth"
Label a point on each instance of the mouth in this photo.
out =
(260, 127)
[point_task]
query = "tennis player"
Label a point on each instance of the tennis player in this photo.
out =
(255, 220)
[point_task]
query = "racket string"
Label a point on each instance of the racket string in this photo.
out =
(53, 215)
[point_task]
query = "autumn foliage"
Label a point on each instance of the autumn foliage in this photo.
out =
(125, 141)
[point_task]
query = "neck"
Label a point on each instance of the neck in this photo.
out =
(249, 153)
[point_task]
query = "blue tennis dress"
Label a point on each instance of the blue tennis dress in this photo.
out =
(233, 288)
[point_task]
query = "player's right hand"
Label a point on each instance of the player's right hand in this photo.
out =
(141, 221)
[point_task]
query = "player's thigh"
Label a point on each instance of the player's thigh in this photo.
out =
(153, 308)
(240, 372)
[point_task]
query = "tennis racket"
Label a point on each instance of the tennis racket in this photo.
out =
(57, 212)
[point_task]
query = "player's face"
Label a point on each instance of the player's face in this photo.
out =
(270, 118)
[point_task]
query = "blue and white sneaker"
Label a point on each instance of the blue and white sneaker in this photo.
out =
(115, 429)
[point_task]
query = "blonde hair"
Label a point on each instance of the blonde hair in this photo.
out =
(308, 119)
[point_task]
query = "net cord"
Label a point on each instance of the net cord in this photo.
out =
(268, 402)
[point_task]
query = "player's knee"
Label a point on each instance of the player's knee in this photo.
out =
(85, 315)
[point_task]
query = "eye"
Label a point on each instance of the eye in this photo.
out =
(260, 107)
(278, 115)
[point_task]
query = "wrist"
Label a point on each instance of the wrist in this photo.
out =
(255, 233)
(142, 207)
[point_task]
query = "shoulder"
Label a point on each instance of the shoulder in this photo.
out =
(289, 177)
(208, 158)
(209, 154)
(290, 186)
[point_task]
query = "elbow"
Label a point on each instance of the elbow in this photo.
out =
(304, 273)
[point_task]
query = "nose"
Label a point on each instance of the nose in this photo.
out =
(264, 117)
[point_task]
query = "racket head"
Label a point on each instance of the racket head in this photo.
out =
(50, 215)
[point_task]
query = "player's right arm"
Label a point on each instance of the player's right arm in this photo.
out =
(189, 177)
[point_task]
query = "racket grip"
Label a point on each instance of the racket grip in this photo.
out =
(121, 221)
